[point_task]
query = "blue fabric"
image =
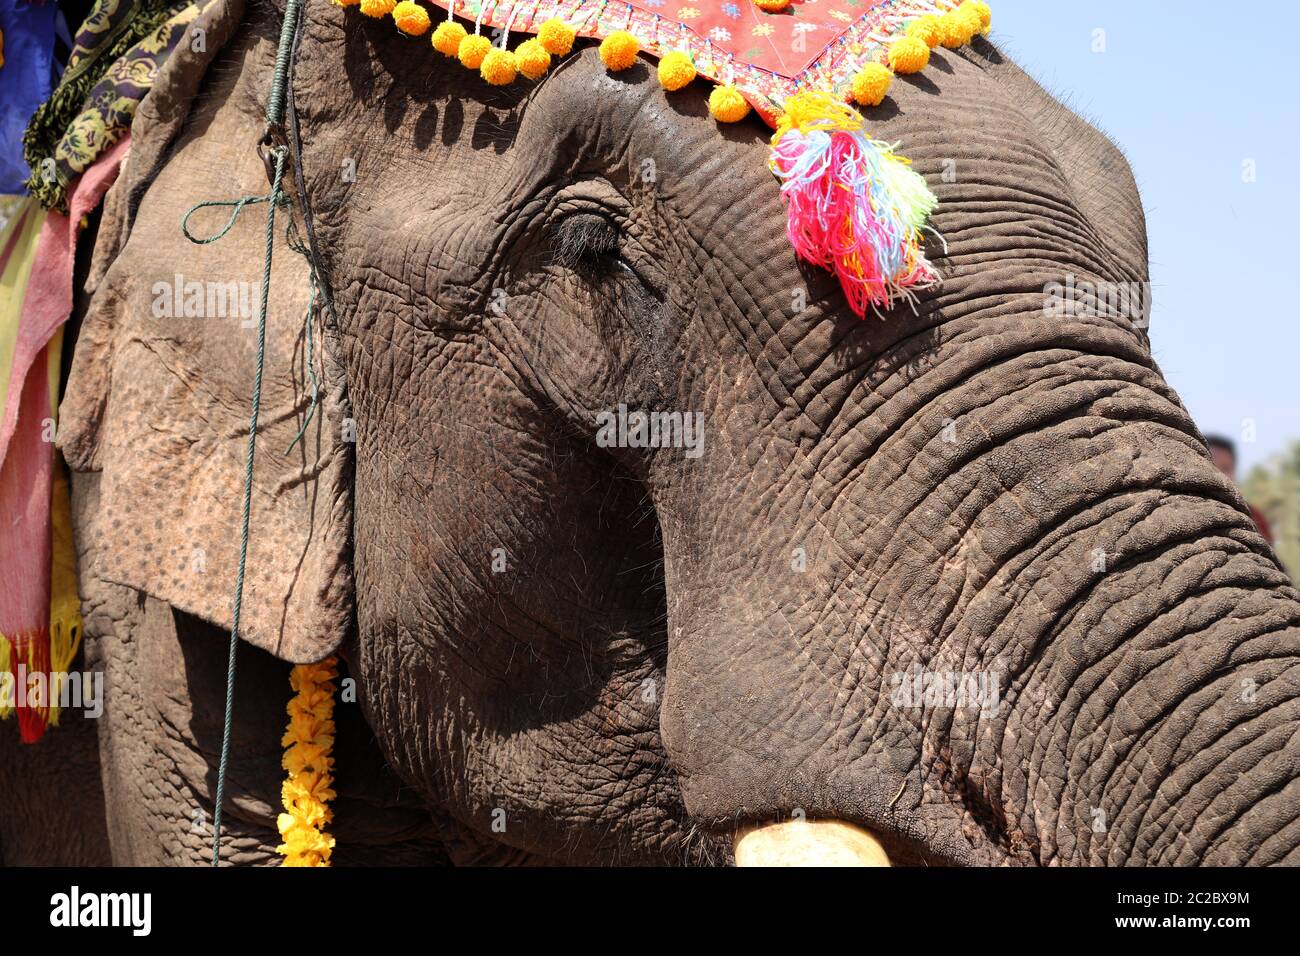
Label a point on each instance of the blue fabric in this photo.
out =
(26, 80)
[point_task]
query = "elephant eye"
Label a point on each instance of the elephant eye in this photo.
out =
(585, 242)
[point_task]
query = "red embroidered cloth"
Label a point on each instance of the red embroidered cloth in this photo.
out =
(768, 56)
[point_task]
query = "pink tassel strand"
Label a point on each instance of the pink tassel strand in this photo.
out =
(854, 206)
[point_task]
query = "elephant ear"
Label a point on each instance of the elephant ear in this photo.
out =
(158, 398)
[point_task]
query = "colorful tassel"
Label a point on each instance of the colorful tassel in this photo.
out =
(854, 206)
(26, 661)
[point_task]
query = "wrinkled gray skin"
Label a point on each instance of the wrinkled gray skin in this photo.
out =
(975, 487)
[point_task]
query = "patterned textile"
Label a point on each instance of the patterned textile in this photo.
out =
(117, 54)
(814, 44)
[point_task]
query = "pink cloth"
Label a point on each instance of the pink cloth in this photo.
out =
(26, 478)
(27, 458)
(48, 301)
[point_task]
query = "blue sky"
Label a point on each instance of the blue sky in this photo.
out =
(1190, 94)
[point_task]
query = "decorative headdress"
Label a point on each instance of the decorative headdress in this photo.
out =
(855, 206)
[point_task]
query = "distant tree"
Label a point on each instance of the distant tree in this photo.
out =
(1274, 488)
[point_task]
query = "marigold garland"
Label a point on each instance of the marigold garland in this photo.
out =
(309, 787)
(958, 27)
(498, 67)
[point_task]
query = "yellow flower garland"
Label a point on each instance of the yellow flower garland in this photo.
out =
(308, 788)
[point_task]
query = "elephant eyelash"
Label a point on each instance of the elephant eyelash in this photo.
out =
(589, 243)
(586, 243)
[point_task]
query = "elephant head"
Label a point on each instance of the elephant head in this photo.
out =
(962, 576)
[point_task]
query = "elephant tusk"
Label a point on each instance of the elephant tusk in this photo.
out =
(808, 843)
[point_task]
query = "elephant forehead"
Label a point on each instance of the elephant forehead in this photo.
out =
(450, 170)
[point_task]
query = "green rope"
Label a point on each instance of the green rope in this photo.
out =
(238, 207)
(274, 199)
(283, 55)
(274, 119)
(296, 244)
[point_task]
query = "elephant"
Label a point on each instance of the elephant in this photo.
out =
(565, 651)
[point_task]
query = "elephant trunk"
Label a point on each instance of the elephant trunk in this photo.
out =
(1162, 726)
(1011, 613)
